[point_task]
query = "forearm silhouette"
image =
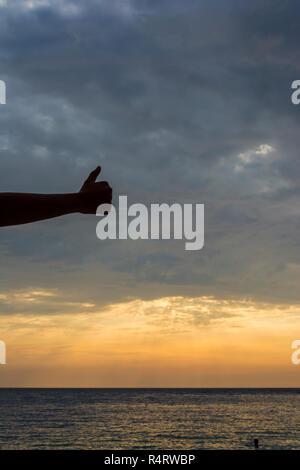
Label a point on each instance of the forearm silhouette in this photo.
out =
(23, 208)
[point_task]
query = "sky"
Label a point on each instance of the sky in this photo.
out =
(185, 102)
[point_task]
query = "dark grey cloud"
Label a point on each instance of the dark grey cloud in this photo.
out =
(168, 96)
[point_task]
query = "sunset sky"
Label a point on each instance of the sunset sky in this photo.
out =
(186, 102)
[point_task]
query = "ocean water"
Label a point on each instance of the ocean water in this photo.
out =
(149, 418)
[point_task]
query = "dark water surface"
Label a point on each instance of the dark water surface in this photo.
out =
(149, 418)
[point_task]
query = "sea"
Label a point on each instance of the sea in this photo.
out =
(149, 419)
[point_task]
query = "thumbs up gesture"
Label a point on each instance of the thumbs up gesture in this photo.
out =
(94, 193)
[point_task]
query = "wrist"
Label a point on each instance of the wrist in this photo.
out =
(73, 203)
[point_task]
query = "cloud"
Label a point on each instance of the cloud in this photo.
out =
(252, 156)
(169, 341)
(178, 104)
(40, 301)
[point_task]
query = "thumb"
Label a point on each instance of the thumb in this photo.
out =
(93, 176)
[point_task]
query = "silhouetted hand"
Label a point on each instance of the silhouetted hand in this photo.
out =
(93, 193)
(23, 208)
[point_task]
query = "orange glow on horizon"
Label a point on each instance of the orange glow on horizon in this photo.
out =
(170, 341)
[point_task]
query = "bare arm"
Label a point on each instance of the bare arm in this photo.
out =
(19, 208)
